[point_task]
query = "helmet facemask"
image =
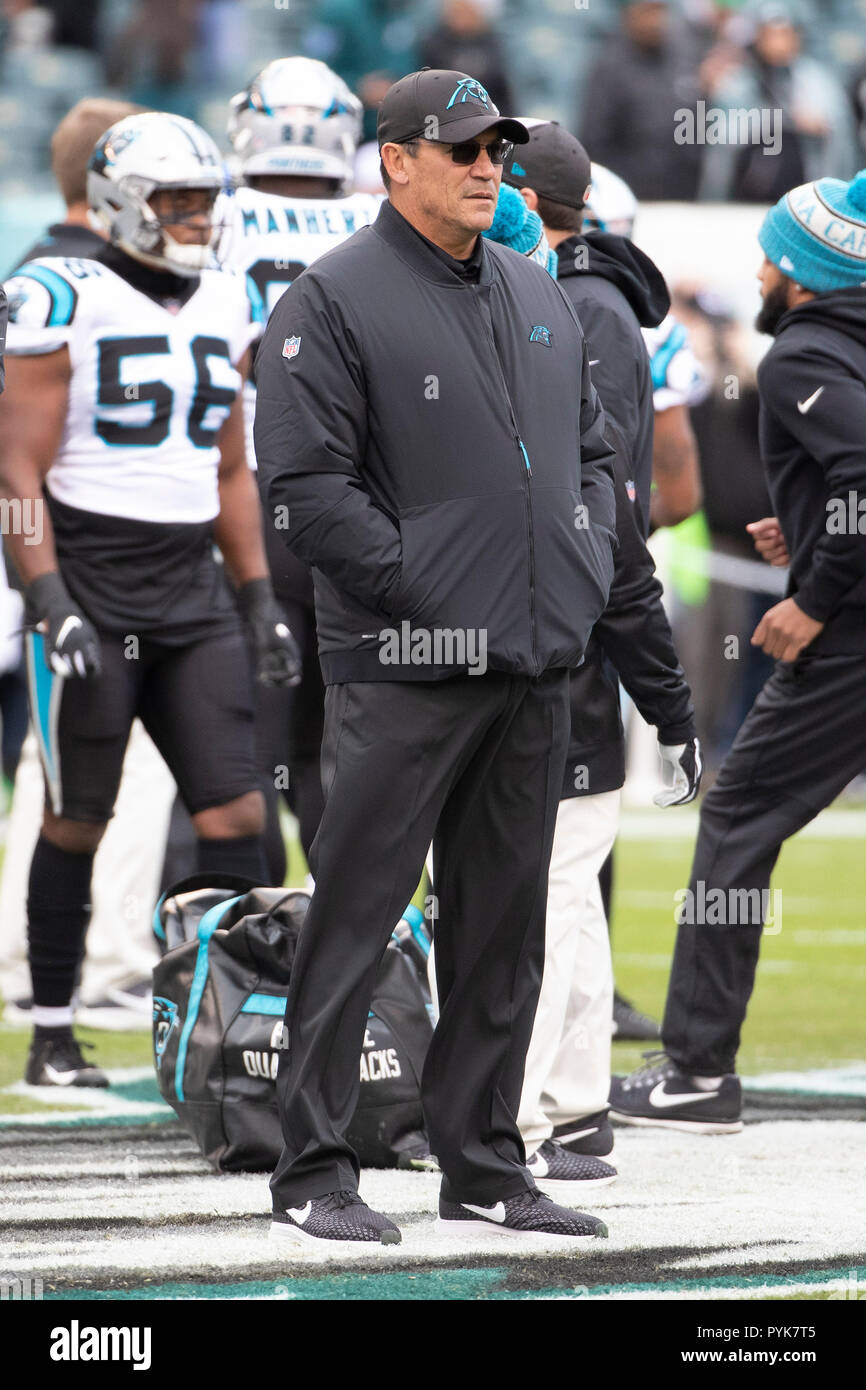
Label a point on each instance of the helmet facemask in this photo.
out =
(152, 242)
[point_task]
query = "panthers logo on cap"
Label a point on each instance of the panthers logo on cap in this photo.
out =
(468, 89)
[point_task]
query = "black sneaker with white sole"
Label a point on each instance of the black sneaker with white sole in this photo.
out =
(56, 1060)
(557, 1164)
(591, 1135)
(530, 1213)
(661, 1095)
(340, 1218)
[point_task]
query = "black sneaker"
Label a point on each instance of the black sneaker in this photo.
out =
(55, 1060)
(630, 1025)
(659, 1094)
(530, 1213)
(557, 1164)
(340, 1218)
(591, 1135)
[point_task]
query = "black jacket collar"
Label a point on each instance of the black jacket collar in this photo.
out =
(416, 251)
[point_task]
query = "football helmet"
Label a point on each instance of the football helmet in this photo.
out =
(297, 117)
(611, 205)
(146, 154)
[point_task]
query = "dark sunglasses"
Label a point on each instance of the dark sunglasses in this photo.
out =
(467, 151)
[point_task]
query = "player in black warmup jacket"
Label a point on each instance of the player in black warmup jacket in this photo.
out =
(805, 737)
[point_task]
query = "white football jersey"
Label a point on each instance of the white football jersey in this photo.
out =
(677, 376)
(151, 385)
(273, 239)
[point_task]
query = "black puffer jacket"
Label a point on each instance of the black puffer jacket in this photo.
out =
(438, 450)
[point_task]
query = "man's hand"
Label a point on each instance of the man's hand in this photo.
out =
(681, 770)
(71, 643)
(785, 630)
(769, 541)
(278, 661)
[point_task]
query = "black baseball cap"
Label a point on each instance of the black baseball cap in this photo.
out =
(453, 104)
(554, 164)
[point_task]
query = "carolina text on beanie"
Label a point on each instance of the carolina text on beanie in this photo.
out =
(816, 234)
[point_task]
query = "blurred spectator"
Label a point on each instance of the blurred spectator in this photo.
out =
(370, 43)
(152, 55)
(465, 40)
(26, 26)
(223, 34)
(76, 22)
(642, 77)
(772, 74)
(858, 101)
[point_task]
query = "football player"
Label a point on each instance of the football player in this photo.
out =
(118, 960)
(294, 133)
(123, 452)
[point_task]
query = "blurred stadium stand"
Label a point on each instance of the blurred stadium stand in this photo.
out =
(549, 45)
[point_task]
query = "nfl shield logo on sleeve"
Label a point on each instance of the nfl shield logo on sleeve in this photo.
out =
(291, 347)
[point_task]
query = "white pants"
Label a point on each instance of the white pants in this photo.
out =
(568, 1064)
(120, 944)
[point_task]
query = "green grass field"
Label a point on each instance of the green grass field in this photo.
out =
(807, 1010)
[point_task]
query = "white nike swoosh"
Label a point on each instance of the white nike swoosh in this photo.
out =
(594, 361)
(539, 1165)
(496, 1213)
(70, 624)
(660, 1100)
(299, 1214)
(60, 1078)
(807, 404)
(577, 1134)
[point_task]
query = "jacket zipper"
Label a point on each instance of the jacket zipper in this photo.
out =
(527, 474)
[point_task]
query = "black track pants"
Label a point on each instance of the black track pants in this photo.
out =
(802, 742)
(475, 764)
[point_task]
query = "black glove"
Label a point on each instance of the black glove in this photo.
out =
(278, 661)
(71, 643)
(682, 768)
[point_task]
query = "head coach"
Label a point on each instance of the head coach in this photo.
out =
(429, 440)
